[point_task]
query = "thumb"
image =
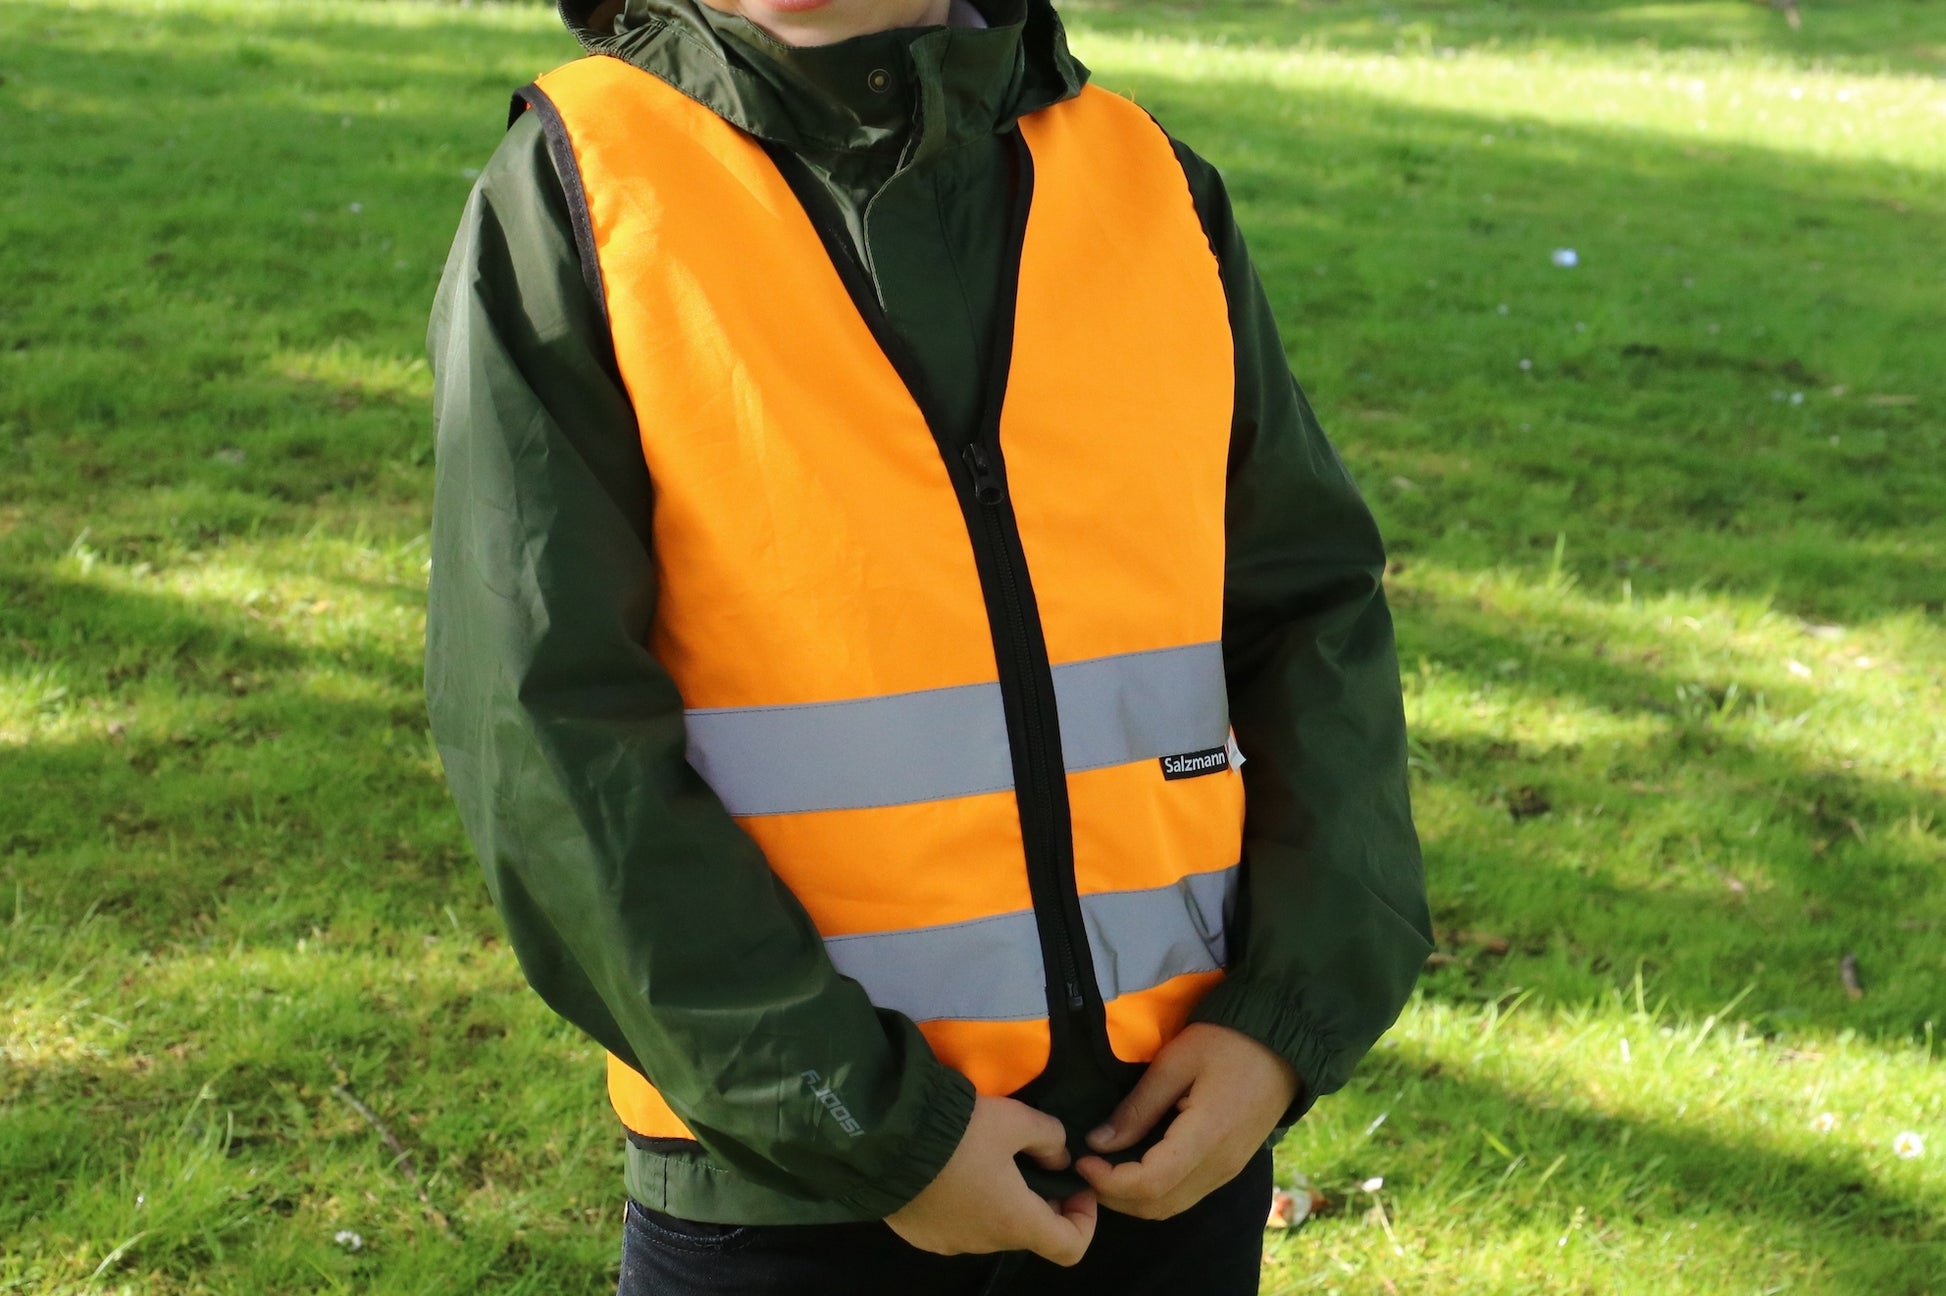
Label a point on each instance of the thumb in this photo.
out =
(1155, 1093)
(1065, 1232)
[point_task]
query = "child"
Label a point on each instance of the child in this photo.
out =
(874, 525)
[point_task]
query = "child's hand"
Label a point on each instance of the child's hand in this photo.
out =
(979, 1203)
(1230, 1090)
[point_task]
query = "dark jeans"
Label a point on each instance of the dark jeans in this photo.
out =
(1214, 1248)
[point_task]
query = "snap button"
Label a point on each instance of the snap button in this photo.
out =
(880, 80)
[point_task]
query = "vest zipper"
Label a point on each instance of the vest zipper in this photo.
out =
(991, 493)
(1083, 1079)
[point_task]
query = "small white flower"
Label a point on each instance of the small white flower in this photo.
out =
(1908, 1146)
(355, 208)
(1797, 398)
(1526, 364)
(349, 1240)
(1377, 1182)
(1824, 1122)
(1566, 258)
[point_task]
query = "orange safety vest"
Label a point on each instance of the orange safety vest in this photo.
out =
(969, 700)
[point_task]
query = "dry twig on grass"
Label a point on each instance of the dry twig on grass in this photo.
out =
(401, 1157)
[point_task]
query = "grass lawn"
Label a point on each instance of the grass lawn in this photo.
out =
(1669, 530)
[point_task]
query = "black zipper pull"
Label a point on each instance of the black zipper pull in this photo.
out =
(986, 487)
(1074, 994)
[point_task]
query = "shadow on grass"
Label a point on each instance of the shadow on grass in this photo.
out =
(1633, 1178)
(1650, 437)
(1735, 390)
(1625, 1173)
(230, 770)
(1731, 392)
(1669, 452)
(1715, 857)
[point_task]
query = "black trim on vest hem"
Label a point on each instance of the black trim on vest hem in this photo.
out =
(561, 149)
(665, 1145)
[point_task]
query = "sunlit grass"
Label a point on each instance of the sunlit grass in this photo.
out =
(1700, 97)
(1669, 592)
(1587, 1169)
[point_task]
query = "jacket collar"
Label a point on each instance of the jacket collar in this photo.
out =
(920, 90)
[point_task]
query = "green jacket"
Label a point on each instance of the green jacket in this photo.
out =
(637, 907)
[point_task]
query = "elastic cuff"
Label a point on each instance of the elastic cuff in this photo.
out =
(945, 1108)
(1270, 1018)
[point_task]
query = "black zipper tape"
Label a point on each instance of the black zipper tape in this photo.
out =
(1083, 1079)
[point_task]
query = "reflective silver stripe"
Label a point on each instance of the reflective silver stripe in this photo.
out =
(1142, 938)
(989, 969)
(890, 750)
(952, 742)
(985, 970)
(1137, 706)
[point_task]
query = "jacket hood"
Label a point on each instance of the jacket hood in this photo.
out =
(951, 83)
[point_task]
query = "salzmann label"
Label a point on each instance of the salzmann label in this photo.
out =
(1194, 764)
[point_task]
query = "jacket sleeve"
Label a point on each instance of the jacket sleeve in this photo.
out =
(1333, 921)
(638, 908)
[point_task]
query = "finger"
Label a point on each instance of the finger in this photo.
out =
(1159, 1089)
(1043, 1138)
(1064, 1231)
(1122, 1195)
